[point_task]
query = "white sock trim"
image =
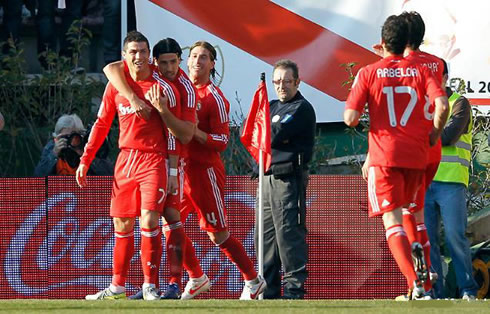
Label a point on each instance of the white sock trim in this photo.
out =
(117, 289)
(148, 285)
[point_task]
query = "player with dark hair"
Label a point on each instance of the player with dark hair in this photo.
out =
(394, 89)
(166, 57)
(413, 217)
(204, 167)
(140, 175)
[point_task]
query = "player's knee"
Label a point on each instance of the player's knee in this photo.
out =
(149, 218)
(218, 237)
(392, 218)
(171, 215)
(123, 224)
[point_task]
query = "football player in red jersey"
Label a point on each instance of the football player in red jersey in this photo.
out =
(394, 89)
(413, 217)
(140, 175)
(181, 123)
(204, 168)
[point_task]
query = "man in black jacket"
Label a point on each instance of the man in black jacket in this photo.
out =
(293, 123)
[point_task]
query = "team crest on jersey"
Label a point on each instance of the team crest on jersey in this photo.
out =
(125, 110)
(198, 106)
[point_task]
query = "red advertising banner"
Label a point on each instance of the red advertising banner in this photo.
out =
(56, 240)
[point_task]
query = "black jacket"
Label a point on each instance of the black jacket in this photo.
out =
(47, 164)
(293, 125)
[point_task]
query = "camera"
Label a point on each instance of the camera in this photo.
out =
(75, 141)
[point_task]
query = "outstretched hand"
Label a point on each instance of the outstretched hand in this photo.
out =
(365, 171)
(81, 175)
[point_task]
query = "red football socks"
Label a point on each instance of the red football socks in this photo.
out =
(151, 254)
(235, 252)
(423, 239)
(401, 251)
(191, 263)
(409, 225)
(175, 241)
(122, 254)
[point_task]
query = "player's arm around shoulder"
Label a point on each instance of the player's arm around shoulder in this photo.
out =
(115, 74)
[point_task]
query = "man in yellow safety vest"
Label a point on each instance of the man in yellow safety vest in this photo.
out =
(446, 196)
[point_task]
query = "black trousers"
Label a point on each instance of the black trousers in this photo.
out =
(111, 30)
(47, 28)
(12, 18)
(284, 235)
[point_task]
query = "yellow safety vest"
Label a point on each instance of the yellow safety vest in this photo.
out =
(455, 159)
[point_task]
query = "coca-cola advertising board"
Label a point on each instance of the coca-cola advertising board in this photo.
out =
(57, 239)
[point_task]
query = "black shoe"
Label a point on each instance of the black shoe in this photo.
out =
(419, 262)
(137, 296)
(172, 292)
(292, 297)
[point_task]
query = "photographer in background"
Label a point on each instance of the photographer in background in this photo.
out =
(61, 155)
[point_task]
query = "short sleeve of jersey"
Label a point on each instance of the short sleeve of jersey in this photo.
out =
(359, 93)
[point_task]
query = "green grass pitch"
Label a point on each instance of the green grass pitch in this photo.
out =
(235, 306)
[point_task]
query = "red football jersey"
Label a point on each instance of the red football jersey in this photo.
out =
(431, 62)
(436, 67)
(212, 114)
(395, 90)
(174, 146)
(134, 132)
(188, 102)
(188, 96)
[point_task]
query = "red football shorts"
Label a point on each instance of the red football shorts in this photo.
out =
(174, 200)
(204, 188)
(390, 188)
(429, 174)
(140, 182)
